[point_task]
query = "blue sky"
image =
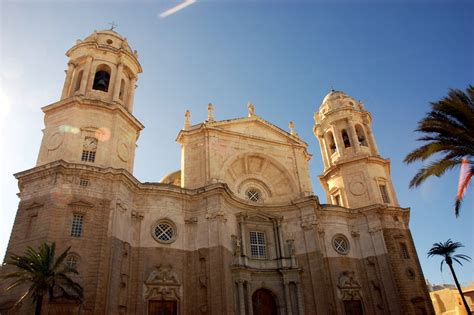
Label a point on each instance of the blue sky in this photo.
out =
(284, 56)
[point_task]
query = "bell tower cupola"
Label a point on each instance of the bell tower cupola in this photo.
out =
(354, 173)
(93, 123)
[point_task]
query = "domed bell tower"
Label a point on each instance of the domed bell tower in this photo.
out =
(354, 173)
(93, 121)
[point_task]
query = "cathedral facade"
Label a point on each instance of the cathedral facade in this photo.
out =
(237, 230)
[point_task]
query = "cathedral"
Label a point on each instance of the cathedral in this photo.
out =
(236, 230)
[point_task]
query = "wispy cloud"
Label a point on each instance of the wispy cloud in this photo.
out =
(177, 8)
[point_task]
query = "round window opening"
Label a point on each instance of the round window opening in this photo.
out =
(164, 232)
(341, 244)
(109, 41)
(253, 195)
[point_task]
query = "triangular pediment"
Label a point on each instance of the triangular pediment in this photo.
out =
(81, 204)
(33, 205)
(256, 127)
(257, 215)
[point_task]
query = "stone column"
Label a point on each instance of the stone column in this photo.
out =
(300, 298)
(67, 82)
(240, 284)
(249, 298)
(355, 139)
(131, 93)
(338, 139)
(85, 76)
(371, 139)
(287, 299)
(117, 82)
(325, 152)
(244, 237)
(280, 238)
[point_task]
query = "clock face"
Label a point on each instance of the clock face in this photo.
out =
(90, 144)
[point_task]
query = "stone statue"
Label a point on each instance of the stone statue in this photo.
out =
(251, 110)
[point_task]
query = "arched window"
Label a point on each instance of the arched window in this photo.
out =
(345, 138)
(77, 84)
(331, 142)
(102, 78)
(122, 90)
(361, 135)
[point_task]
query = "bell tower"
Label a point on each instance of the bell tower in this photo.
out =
(93, 122)
(354, 173)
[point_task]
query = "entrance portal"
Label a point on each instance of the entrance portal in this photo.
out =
(353, 307)
(263, 303)
(162, 308)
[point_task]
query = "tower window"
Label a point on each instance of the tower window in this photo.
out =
(83, 182)
(345, 138)
(102, 78)
(404, 251)
(258, 247)
(384, 193)
(89, 149)
(77, 224)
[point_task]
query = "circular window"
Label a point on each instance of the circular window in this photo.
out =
(71, 261)
(253, 194)
(164, 231)
(109, 41)
(340, 244)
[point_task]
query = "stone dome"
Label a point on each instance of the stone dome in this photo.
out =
(339, 100)
(109, 38)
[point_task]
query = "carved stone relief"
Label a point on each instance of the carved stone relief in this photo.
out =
(349, 287)
(162, 284)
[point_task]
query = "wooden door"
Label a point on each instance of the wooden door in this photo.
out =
(162, 308)
(353, 307)
(263, 303)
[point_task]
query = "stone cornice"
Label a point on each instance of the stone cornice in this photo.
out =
(159, 188)
(104, 106)
(117, 51)
(367, 159)
(371, 209)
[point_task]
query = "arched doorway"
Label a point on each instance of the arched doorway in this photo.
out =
(263, 303)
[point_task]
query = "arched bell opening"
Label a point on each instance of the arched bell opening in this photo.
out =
(345, 138)
(102, 78)
(331, 143)
(361, 135)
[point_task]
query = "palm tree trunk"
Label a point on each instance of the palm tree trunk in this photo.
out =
(39, 304)
(459, 288)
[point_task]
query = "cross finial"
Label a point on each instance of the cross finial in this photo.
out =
(210, 114)
(112, 25)
(187, 120)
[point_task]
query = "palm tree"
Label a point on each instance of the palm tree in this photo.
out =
(446, 250)
(449, 133)
(45, 275)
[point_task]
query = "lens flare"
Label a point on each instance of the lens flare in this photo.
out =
(68, 129)
(103, 134)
